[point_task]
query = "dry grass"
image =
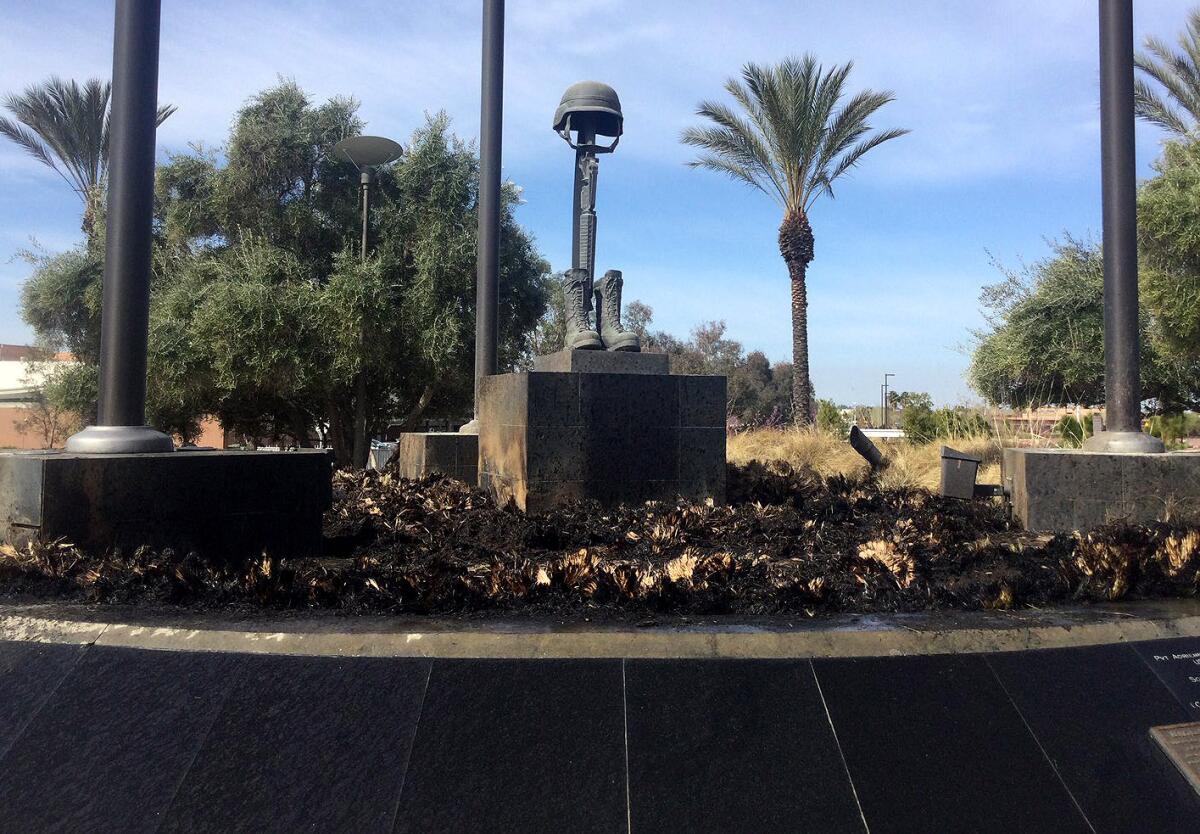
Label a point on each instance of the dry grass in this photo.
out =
(909, 465)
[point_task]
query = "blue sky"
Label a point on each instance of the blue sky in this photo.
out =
(1001, 98)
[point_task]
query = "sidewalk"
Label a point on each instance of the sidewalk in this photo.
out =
(96, 735)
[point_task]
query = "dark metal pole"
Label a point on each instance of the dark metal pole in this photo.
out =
(126, 311)
(125, 314)
(365, 179)
(1122, 385)
(360, 450)
(487, 277)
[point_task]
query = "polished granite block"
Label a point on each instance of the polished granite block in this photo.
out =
(317, 743)
(1100, 743)
(934, 744)
(1176, 663)
(227, 503)
(518, 747)
(729, 745)
(109, 748)
(548, 438)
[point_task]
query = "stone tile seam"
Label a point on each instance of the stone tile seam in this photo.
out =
(1036, 740)
(230, 681)
(83, 648)
(412, 742)
(837, 742)
(625, 719)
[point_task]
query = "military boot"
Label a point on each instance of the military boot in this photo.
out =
(608, 311)
(579, 335)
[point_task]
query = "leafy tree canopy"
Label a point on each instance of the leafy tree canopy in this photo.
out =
(1169, 241)
(1045, 338)
(262, 313)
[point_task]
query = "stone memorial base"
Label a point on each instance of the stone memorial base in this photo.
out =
(549, 437)
(447, 453)
(1061, 490)
(603, 362)
(224, 503)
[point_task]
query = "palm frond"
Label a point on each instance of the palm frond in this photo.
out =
(793, 133)
(1178, 73)
(735, 170)
(740, 138)
(28, 140)
(1150, 106)
(851, 158)
(65, 125)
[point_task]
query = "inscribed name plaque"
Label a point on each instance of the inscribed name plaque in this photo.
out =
(1181, 743)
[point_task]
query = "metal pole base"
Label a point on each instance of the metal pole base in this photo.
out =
(114, 440)
(1123, 441)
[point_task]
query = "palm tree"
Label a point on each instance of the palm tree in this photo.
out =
(1179, 74)
(65, 126)
(794, 137)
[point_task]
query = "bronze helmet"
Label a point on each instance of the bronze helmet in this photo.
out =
(589, 104)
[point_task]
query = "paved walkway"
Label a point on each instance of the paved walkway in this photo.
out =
(97, 738)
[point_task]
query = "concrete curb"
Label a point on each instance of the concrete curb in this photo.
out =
(844, 637)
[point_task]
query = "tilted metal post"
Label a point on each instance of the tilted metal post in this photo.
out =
(125, 314)
(487, 278)
(1122, 385)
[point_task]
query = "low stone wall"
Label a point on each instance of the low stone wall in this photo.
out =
(1061, 490)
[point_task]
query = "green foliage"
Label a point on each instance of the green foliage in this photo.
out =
(1045, 337)
(1177, 74)
(830, 419)
(922, 423)
(61, 302)
(1169, 240)
(1173, 428)
(73, 388)
(262, 313)
(1072, 431)
(918, 423)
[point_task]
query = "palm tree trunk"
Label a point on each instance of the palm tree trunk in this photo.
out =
(796, 247)
(801, 381)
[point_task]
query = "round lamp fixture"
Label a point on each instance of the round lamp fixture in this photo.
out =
(368, 151)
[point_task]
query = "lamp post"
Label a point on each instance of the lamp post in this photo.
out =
(886, 377)
(487, 267)
(366, 153)
(125, 315)
(1122, 384)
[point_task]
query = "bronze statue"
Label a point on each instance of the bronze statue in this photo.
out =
(590, 109)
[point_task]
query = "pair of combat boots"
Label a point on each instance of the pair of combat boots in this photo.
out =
(608, 333)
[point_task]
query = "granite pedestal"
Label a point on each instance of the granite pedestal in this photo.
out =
(223, 503)
(438, 452)
(1061, 490)
(549, 437)
(603, 362)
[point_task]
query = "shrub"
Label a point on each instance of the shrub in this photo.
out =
(924, 424)
(1072, 431)
(830, 419)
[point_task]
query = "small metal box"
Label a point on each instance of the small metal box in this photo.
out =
(958, 474)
